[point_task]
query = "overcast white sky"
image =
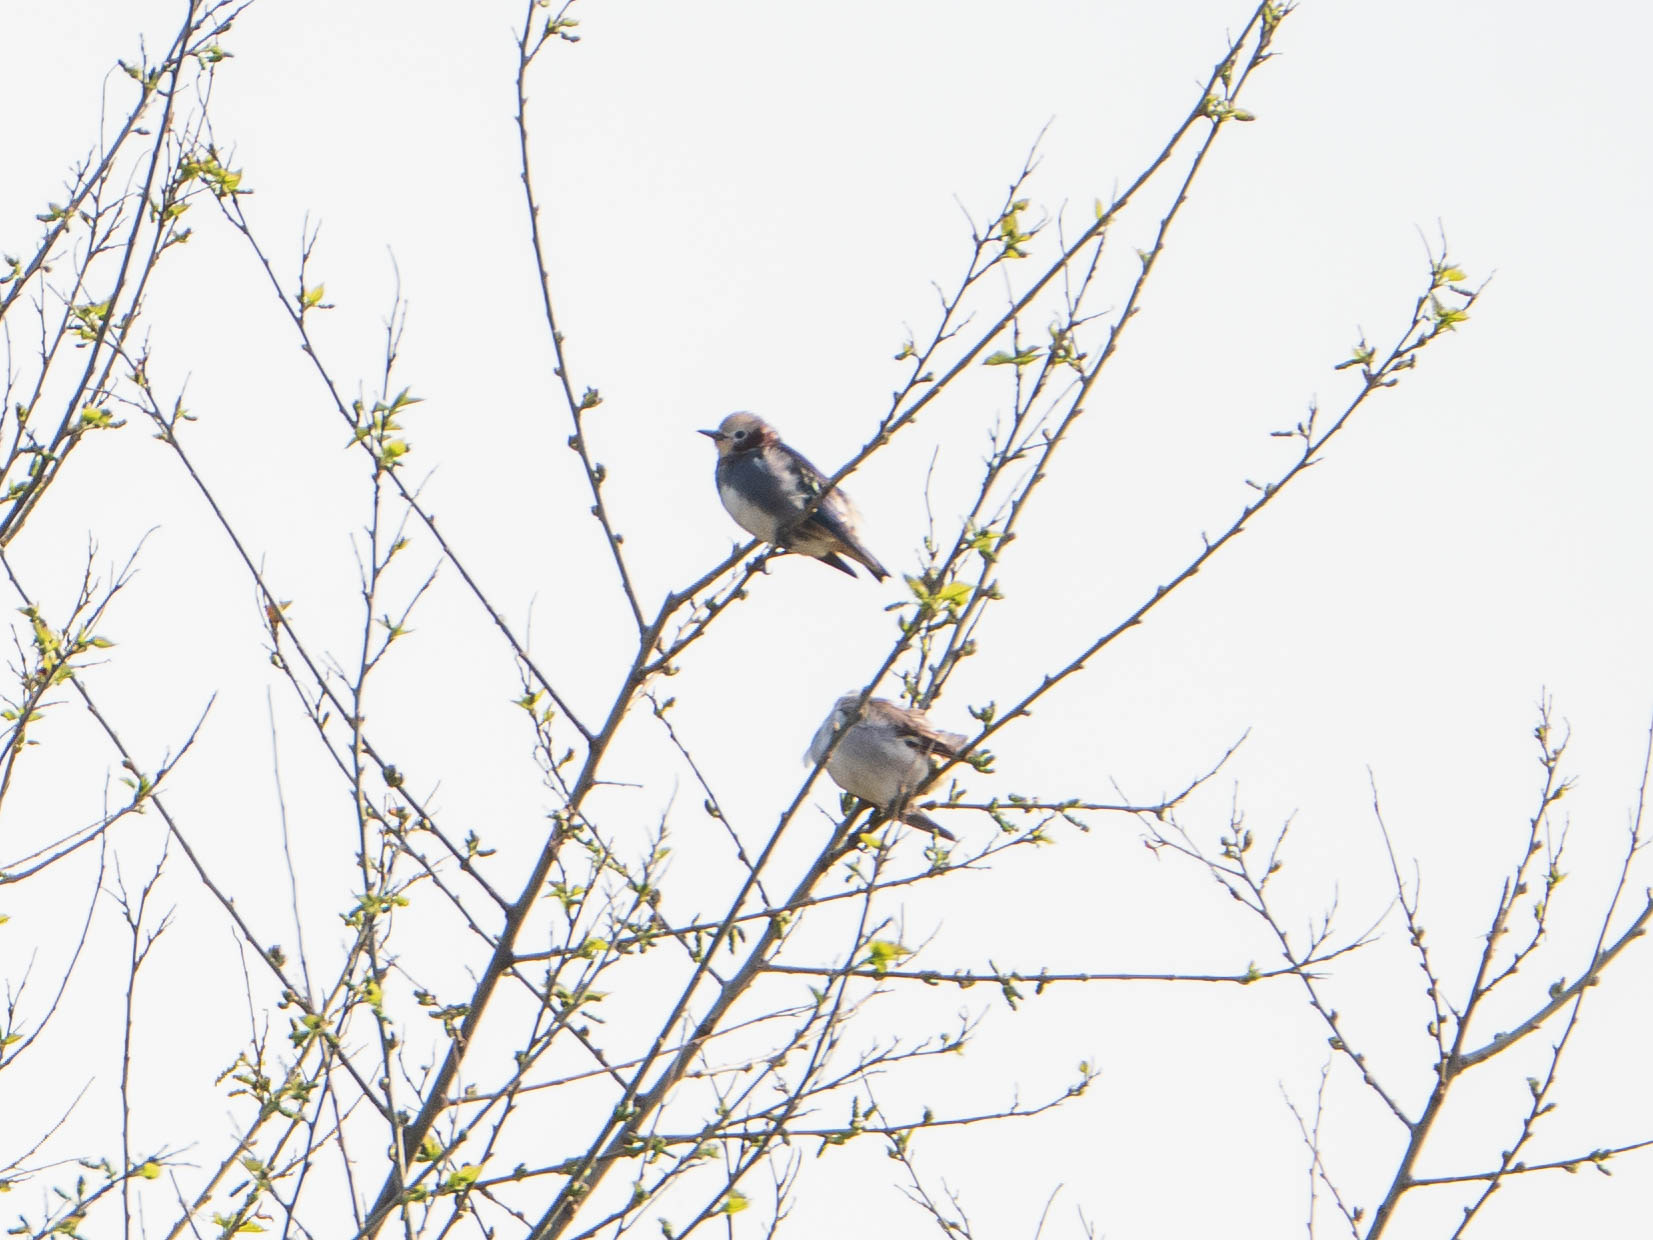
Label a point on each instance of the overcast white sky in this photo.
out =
(747, 203)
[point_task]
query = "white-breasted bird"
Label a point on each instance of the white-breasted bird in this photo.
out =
(766, 487)
(884, 755)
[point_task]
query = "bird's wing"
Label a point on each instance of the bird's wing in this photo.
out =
(917, 731)
(801, 480)
(835, 514)
(766, 482)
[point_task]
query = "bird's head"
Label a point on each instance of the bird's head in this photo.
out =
(845, 712)
(842, 716)
(741, 432)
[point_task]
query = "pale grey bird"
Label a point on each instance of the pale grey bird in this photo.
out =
(884, 756)
(766, 486)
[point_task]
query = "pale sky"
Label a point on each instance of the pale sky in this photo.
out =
(746, 206)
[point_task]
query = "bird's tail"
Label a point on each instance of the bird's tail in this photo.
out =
(925, 823)
(837, 561)
(866, 559)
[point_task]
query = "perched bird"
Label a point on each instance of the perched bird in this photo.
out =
(884, 756)
(766, 486)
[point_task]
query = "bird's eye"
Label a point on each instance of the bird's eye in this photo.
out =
(740, 434)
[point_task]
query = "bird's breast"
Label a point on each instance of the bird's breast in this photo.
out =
(874, 765)
(753, 516)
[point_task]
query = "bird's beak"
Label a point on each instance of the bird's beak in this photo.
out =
(713, 435)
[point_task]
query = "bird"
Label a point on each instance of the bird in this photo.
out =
(766, 486)
(884, 755)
